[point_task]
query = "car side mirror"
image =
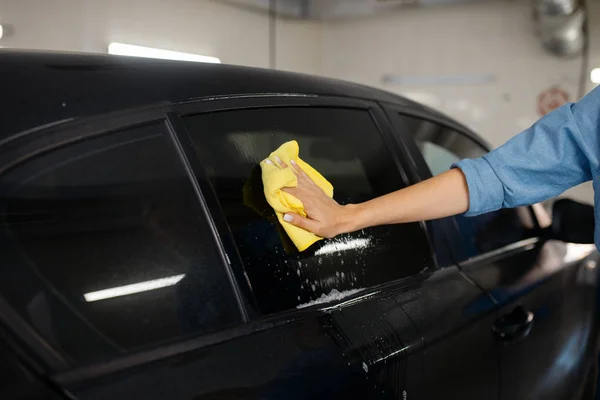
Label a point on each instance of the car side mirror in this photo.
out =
(573, 222)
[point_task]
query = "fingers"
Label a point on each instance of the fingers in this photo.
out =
(294, 166)
(301, 222)
(300, 172)
(280, 162)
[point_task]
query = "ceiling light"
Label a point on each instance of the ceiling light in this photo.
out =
(1, 31)
(595, 75)
(123, 49)
(134, 288)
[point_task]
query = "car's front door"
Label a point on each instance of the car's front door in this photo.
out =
(340, 279)
(544, 290)
(379, 289)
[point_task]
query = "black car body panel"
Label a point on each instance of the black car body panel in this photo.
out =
(423, 316)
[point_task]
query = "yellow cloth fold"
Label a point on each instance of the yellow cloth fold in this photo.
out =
(275, 178)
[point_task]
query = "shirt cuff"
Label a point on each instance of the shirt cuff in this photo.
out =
(486, 192)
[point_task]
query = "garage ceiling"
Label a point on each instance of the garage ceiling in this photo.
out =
(331, 9)
(559, 22)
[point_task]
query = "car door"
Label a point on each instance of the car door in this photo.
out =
(380, 288)
(544, 290)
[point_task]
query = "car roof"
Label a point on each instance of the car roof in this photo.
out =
(42, 88)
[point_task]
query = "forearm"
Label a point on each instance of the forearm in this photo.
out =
(444, 195)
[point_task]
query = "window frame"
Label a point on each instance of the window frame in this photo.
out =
(398, 152)
(451, 229)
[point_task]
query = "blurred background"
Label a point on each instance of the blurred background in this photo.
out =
(494, 65)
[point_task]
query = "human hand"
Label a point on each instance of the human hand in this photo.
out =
(324, 216)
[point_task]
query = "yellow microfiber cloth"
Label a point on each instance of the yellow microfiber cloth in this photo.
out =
(275, 178)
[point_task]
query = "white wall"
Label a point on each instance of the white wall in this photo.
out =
(477, 38)
(236, 36)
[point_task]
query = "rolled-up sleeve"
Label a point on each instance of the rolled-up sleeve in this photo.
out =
(486, 191)
(559, 151)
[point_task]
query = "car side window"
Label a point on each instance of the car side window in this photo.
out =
(105, 248)
(441, 147)
(347, 148)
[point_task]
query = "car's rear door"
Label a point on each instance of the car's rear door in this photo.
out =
(544, 290)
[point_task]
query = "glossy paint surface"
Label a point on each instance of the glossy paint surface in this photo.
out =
(559, 289)
(46, 88)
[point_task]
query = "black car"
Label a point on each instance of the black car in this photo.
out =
(140, 260)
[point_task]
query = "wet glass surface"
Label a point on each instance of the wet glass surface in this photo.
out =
(345, 146)
(105, 248)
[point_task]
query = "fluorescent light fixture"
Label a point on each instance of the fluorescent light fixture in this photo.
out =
(122, 49)
(341, 245)
(595, 75)
(1, 31)
(134, 288)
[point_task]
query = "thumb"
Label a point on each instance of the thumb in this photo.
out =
(301, 222)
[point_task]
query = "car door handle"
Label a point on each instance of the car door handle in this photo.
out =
(514, 326)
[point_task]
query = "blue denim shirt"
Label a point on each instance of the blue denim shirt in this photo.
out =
(559, 151)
